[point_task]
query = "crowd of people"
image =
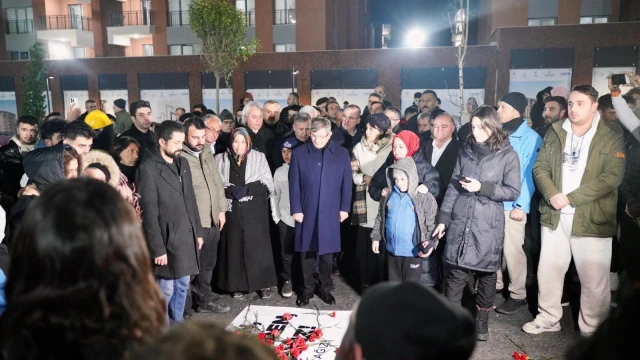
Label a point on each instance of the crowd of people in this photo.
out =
(272, 200)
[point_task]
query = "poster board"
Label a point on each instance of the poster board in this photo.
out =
(279, 95)
(358, 97)
(600, 82)
(107, 97)
(165, 101)
(226, 99)
(531, 81)
(80, 95)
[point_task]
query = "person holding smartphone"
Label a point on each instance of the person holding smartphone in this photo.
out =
(486, 174)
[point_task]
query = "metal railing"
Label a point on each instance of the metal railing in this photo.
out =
(251, 18)
(64, 22)
(132, 18)
(284, 17)
(178, 18)
(19, 26)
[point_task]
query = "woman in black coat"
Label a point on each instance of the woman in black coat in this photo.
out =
(245, 259)
(486, 174)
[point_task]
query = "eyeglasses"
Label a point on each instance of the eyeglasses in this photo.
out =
(316, 137)
(212, 129)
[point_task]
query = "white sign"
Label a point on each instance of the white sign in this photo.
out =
(107, 97)
(79, 96)
(303, 322)
(531, 81)
(450, 98)
(165, 101)
(279, 95)
(358, 97)
(600, 82)
(226, 100)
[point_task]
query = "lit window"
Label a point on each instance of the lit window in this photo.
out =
(79, 53)
(542, 22)
(181, 50)
(148, 49)
(600, 20)
(285, 47)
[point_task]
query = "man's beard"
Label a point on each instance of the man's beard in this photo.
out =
(174, 155)
(196, 148)
(271, 120)
(550, 120)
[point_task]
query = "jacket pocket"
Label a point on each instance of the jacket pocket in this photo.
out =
(603, 210)
(171, 236)
(602, 162)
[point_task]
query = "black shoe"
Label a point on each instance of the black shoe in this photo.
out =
(327, 297)
(265, 293)
(213, 307)
(303, 300)
(482, 324)
(510, 306)
(287, 289)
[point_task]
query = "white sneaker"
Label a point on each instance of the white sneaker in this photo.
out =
(614, 281)
(532, 328)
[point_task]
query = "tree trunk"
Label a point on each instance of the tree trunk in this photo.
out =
(217, 93)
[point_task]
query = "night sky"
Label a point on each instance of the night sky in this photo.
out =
(428, 15)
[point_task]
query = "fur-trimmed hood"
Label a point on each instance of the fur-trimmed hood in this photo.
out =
(97, 156)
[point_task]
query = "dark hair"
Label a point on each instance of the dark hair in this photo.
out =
(490, 120)
(378, 102)
(374, 94)
(51, 127)
(78, 128)
(120, 144)
(332, 102)
(165, 129)
(395, 110)
(605, 102)
(53, 115)
(322, 100)
(587, 90)
(240, 108)
(134, 106)
(197, 113)
(295, 94)
(67, 156)
(201, 106)
(294, 107)
(417, 94)
(196, 122)
(28, 119)
(410, 110)
(559, 99)
(209, 112)
(430, 92)
(186, 116)
(87, 287)
(195, 340)
(634, 91)
(89, 102)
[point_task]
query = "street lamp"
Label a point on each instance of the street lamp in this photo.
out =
(48, 101)
(415, 38)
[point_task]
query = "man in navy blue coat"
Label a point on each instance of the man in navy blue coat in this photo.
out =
(320, 196)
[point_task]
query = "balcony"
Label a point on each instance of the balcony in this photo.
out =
(177, 18)
(18, 27)
(128, 25)
(75, 29)
(284, 17)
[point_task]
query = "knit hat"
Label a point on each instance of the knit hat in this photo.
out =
(380, 121)
(411, 142)
(120, 103)
(413, 319)
(517, 100)
(97, 120)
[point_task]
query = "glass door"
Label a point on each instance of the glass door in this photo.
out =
(75, 16)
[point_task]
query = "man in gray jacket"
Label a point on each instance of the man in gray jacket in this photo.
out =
(207, 186)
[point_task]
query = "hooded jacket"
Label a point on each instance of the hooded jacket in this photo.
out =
(537, 110)
(426, 208)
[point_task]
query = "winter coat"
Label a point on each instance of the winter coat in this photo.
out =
(426, 209)
(526, 143)
(123, 121)
(169, 215)
(475, 220)
(207, 185)
(319, 188)
(629, 190)
(368, 163)
(264, 141)
(447, 161)
(11, 165)
(427, 175)
(596, 199)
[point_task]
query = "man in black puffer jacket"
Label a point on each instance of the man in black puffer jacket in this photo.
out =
(629, 209)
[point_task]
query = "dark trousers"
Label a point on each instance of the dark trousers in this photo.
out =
(629, 248)
(307, 262)
(287, 236)
(201, 282)
(402, 268)
(457, 280)
(371, 266)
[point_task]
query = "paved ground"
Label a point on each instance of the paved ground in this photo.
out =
(501, 327)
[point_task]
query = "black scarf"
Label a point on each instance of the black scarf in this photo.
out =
(128, 171)
(481, 150)
(512, 125)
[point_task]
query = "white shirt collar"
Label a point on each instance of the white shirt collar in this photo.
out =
(443, 146)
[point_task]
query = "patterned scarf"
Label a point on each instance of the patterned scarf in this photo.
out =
(257, 169)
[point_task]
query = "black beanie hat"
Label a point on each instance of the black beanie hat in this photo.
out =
(412, 319)
(120, 103)
(380, 121)
(517, 100)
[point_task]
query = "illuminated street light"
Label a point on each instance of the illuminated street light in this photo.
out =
(415, 38)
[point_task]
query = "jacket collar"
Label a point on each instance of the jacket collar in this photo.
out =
(601, 127)
(312, 148)
(520, 130)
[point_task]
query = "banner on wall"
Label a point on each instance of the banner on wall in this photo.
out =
(531, 81)
(8, 113)
(164, 102)
(303, 322)
(80, 96)
(279, 95)
(450, 99)
(107, 97)
(226, 99)
(600, 82)
(358, 97)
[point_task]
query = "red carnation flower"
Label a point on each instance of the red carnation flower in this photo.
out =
(287, 316)
(275, 332)
(262, 336)
(333, 314)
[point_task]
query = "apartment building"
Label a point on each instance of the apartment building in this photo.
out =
(508, 13)
(111, 28)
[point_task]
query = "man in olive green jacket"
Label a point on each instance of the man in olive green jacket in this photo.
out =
(123, 117)
(579, 168)
(212, 206)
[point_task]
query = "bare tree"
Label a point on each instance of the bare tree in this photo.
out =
(459, 22)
